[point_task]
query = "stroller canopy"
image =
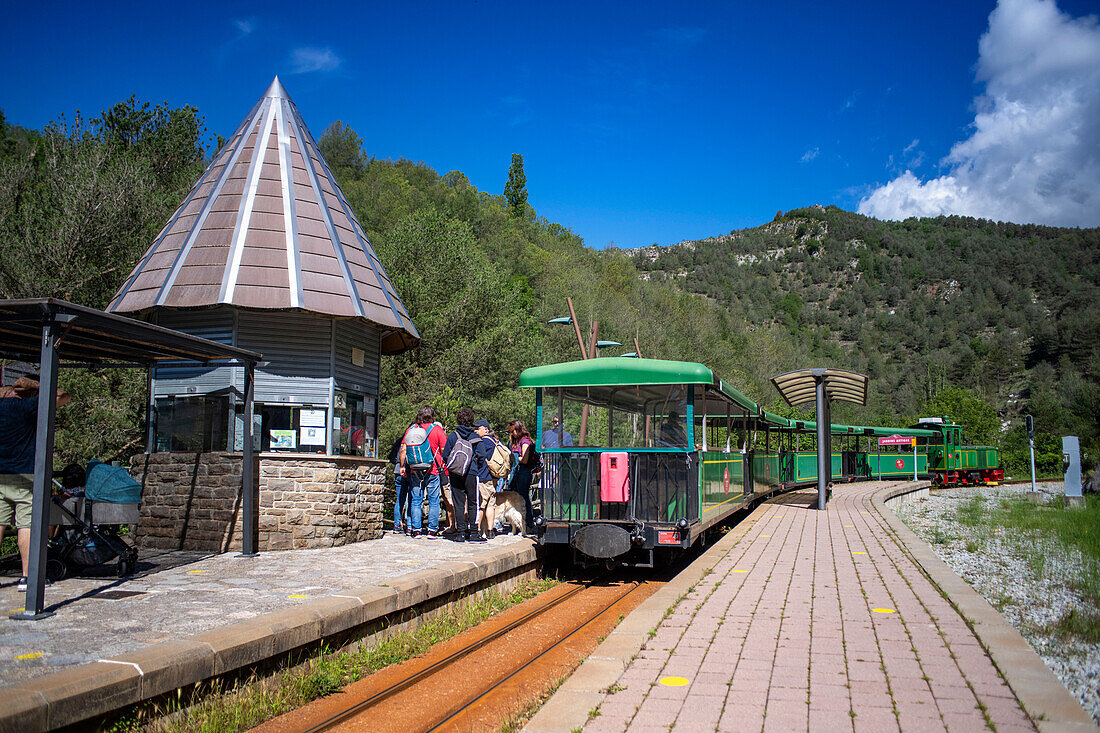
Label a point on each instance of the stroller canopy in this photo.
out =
(111, 484)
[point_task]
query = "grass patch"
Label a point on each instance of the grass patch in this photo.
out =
(971, 512)
(1077, 624)
(1055, 543)
(251, 702)
(1077, 529)
(939, 537)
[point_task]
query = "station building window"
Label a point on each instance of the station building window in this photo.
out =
(353, 424)
(201, 423)
(191, 423)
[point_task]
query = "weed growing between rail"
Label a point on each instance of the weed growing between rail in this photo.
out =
(254, 701)
(516, 722)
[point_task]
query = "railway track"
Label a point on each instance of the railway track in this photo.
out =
(487, 674)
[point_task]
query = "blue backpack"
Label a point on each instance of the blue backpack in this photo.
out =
(418, 451)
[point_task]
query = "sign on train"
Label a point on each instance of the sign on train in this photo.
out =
(896, 440)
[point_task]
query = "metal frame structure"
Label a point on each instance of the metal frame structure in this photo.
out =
(48, 331)
(821, 386)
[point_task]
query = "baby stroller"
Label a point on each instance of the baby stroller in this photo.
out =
(88, 518)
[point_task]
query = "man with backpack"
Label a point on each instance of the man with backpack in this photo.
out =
(458, 455)
(491, 461)
(421, 459)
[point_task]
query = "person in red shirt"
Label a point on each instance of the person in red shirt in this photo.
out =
(425, 481)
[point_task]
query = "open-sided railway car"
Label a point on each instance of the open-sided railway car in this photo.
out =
(650, 454)
(631, 482)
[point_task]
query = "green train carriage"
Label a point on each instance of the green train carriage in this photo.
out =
(655, 453)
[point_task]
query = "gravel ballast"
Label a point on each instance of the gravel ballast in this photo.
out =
(1032, 590)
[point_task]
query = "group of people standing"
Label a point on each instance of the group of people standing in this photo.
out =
(454, 474)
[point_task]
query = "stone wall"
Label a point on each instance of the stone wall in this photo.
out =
(313, 501)
(192, 501)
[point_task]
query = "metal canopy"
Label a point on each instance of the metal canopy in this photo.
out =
(93, 336)
(821, 387)
(44, 331)
(800, 387)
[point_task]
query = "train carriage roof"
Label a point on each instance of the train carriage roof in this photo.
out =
(601, 377)
(602, 381)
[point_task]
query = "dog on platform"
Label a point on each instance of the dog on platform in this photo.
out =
(510, 507)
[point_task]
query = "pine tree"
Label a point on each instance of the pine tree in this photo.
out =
(515, 191)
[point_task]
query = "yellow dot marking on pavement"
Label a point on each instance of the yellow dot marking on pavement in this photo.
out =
(849, 525)
(858, 552)
(32, 655)
(765, 535)
(675, 681)
(883, 610)
(195, 572)
(298, 595)
(16, 610)
(740, 571)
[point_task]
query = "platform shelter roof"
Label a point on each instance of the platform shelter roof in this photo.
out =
(95, 338)
(800, 387)
(267, 227)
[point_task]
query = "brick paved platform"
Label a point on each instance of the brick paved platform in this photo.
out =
(806, 620)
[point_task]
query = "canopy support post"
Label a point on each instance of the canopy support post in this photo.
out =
(824, 457)
(249, 487)
(33, 609)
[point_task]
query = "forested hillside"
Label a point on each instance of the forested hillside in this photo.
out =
(924, 307)
(977, 319)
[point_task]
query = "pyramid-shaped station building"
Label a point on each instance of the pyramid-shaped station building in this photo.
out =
(265, 253)
(267, 227)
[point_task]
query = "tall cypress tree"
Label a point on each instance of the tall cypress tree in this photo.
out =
(515, 191)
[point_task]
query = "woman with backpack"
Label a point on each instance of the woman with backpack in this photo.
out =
(458, 454)
(526, 458)
(421, 459)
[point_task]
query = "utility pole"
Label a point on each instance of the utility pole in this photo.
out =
(1029, 423)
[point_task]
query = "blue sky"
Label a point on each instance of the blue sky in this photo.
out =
(638, 122)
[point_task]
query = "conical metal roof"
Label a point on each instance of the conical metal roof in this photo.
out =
(267, 227)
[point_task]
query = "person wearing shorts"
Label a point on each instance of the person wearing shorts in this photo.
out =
(18, 427)
(486, 484)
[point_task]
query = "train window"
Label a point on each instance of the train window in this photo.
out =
(635, 416)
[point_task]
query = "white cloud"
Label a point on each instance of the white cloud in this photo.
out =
(244, 26)
(1034, 150)
(911, 145)
(810, 154)
(306, 59)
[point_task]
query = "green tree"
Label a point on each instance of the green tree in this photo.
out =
(343, 150)
(477, 325)
(970, 410)
(515, 191)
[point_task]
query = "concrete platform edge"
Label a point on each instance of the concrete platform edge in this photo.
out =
(1044, 698)
(91, 690)
(568, 708)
